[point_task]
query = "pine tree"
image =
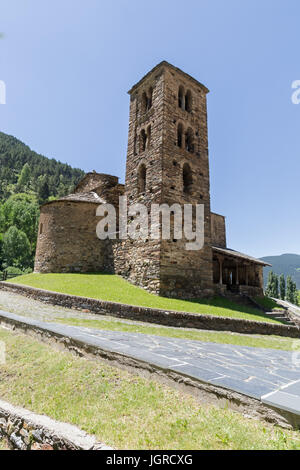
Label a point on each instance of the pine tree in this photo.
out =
(272, 289)
(289, 289)
(294, 293)
(24, 178)
(282, 286)
(43, 190)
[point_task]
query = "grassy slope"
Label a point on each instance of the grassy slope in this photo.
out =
(114, 288)
(3, 445)
(256, 341)
(123, 410)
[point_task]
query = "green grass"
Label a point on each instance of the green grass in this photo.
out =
(256, 341)
(3, 445)
(268, 303)
(123, 410)
(115, 289)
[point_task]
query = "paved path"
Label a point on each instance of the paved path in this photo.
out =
(271, 376)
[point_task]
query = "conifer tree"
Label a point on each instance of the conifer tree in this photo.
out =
(282, 286)
(272, 289)
(289, 289)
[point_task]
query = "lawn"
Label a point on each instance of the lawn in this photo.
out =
(268, 303)
(3, 445)
(256, 341)
(115, 289)
(123, 410)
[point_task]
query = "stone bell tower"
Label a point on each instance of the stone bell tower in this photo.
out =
(167, 162)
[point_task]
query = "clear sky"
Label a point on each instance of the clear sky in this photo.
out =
(68, 65)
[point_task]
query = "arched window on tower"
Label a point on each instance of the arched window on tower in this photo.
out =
(142, 178)
(149, 100)
(179, 135)
(143, 141)
(189, 140)
(135, 144)
(187, 178)
(181, 97)
(148, 136)
(188, 101)
(144, 102)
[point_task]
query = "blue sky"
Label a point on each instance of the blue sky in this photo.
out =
(68, 64)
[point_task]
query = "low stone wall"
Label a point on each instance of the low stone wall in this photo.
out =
(24, 430)
(151, 315)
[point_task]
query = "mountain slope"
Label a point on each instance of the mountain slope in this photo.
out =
(14, 154)
(287, 264)
(27, 180)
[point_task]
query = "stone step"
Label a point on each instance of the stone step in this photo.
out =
(282, 317)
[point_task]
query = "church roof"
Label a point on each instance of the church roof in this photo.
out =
(91, 197)
(162, 64)
(237, 254)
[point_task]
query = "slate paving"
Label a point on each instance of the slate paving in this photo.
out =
(272, 376)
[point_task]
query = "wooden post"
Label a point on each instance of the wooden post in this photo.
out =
(221, 270)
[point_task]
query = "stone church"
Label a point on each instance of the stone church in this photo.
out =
(167, 162)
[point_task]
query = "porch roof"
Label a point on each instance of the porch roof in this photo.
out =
(237, 254)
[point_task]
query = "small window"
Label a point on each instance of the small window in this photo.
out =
(189, 140)
(149, 100)
(148, 136)
(41, 229)
(143, 141)
(179, 135)
(134, 144)
(181, 97)
(142, 179)
(144, 102)
(187, 178)
(188, 101)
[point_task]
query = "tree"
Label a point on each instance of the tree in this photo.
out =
(294, 293)
(272, 289)
(291, 291)
(282, 286)
(24, 177)
(43, 190)
(22, 211)
(16, 248)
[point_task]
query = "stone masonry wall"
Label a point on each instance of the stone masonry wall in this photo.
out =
(186, 273)
(142, 257)
(218, 230)
(24, 430)
(94, 180)
(67, 240)
(166, 267)
(152, 315)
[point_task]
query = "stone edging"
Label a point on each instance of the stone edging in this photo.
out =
(151, 315)
(25, 430)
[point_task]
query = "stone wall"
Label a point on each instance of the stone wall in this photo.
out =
(25, 430)
(151, 315)
(218, 230)
(165, 266)
(94, 180)
(67, 240)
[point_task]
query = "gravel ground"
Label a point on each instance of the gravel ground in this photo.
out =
(21, 305)
(27, 307)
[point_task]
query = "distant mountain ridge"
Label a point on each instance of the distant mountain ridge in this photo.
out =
(287, 264)
(14, 154)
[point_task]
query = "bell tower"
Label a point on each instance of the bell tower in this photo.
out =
(167, 162)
